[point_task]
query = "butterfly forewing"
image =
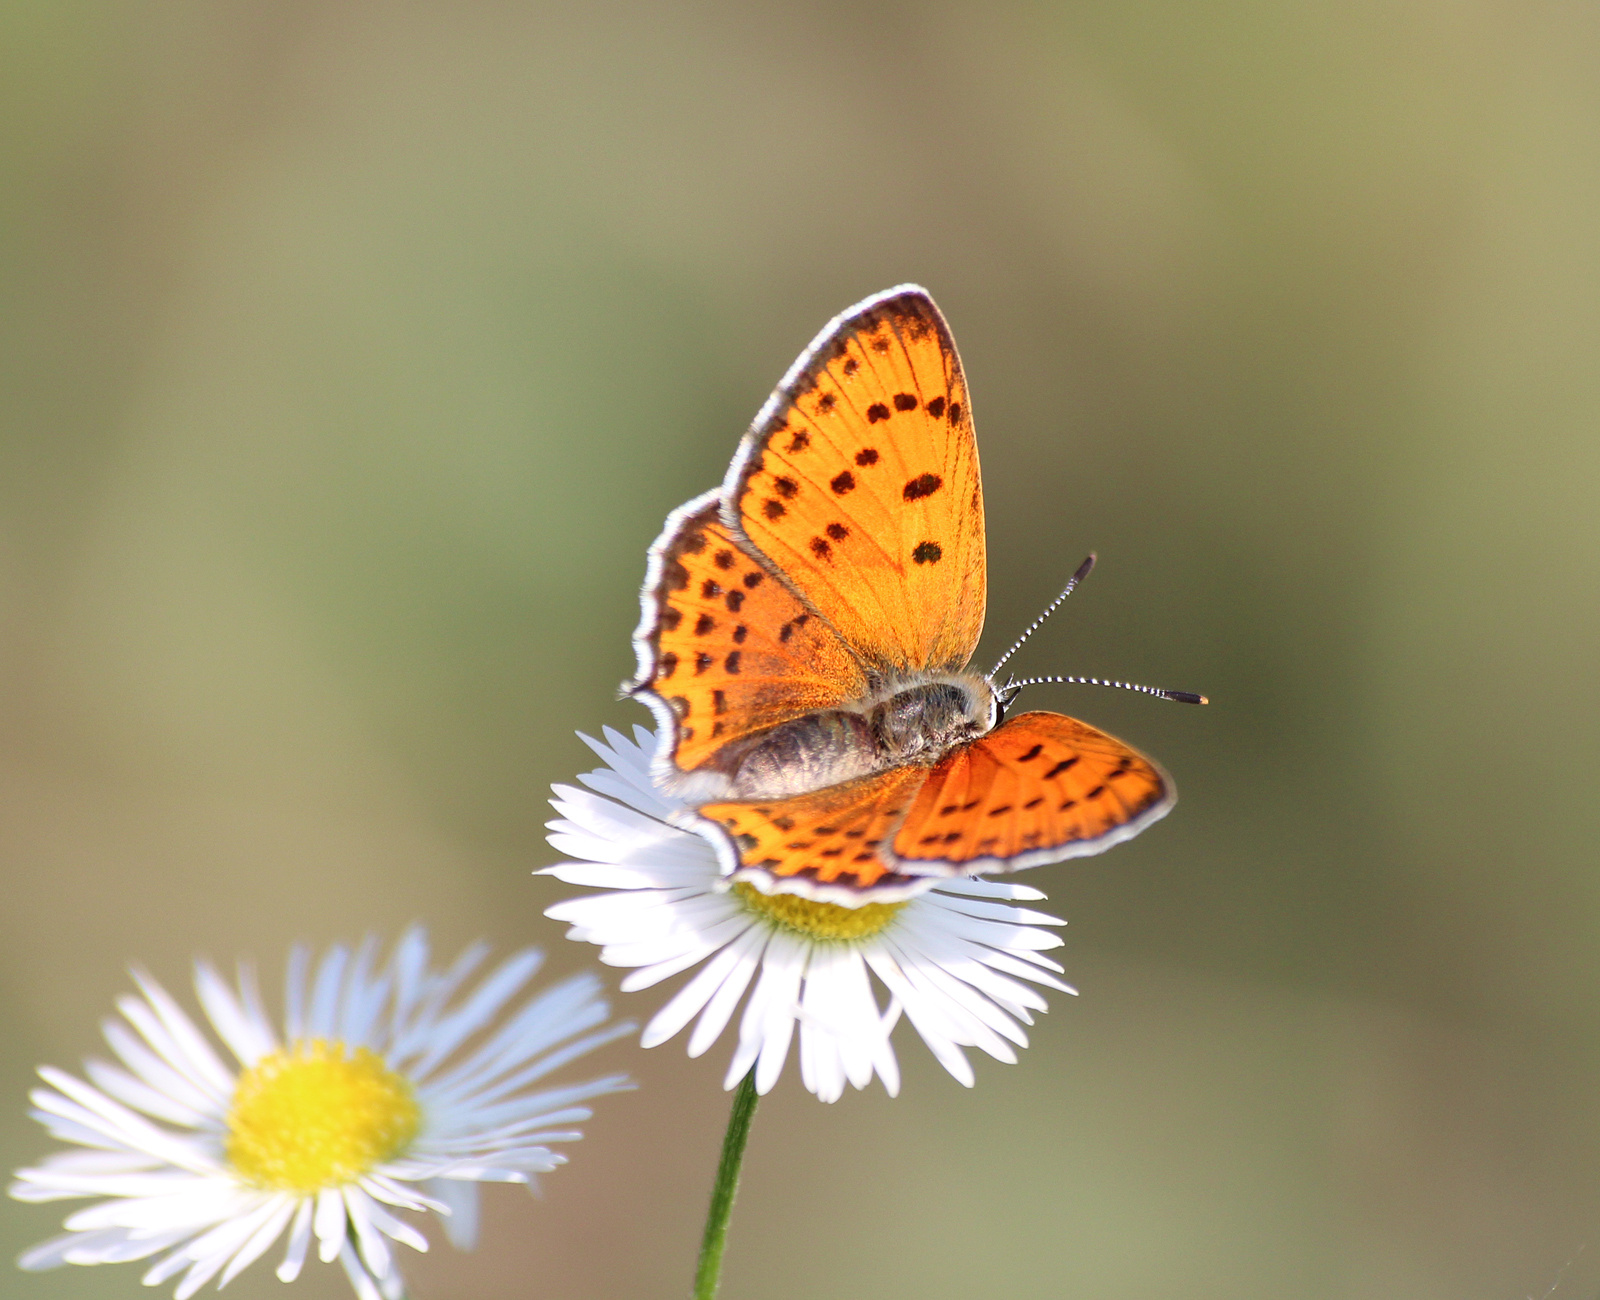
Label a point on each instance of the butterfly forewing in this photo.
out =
(830, 836)
(860, 482)
(1039, 788)
(725, 646)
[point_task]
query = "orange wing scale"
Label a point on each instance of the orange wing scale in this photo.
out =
(831, 835)
(732, 650)
(1039, 788)
(860, 482)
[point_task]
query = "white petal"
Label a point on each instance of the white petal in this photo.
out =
(156, 1034)
(381, 1187)
(91, 1108)
(271, 1229)
(188, 1043)
(688, 1001)
(108, 1246)
(359, 1209)
(213, 1250)
(364, 1209)
(294, 993)
(329, 1224)
(151, 1069)
(750, 948)
(567, 1009)
(360, 1279)
(322, 1020)
(461, 1224)
(769, 1015)
(141, 1096)
(408, 966)
(479, 1009)
(236, 1027)
(299, 1238)
(363, 998)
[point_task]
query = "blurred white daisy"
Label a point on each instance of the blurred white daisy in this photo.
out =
(366, 1103)
(952, 958)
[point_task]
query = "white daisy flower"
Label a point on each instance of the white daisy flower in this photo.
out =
(365, 1103)
(952, 957)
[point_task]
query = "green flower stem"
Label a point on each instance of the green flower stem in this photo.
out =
(709, 1272)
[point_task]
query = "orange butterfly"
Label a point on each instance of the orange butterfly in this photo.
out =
(806, 631)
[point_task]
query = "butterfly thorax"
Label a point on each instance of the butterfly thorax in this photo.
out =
(906, 722)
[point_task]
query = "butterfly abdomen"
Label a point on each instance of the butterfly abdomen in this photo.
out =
(810, 753)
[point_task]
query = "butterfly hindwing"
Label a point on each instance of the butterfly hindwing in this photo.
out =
(859, 480)
(1039, 788)
(725, 648)
(831, 836)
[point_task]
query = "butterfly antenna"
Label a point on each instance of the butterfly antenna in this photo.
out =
(1010, 689)
(1082, 573)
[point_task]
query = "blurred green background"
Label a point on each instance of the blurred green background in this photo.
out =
(352, 353)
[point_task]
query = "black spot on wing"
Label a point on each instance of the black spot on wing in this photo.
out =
(928, 553)
(924, 485)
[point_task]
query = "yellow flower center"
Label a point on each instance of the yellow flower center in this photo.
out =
(817, 920)
(318, 1115)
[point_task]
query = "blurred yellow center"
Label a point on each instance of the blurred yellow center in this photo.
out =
(318, 1115)
(817, 920)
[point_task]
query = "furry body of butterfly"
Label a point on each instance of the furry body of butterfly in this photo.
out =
(912, 723)
(805, 636)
